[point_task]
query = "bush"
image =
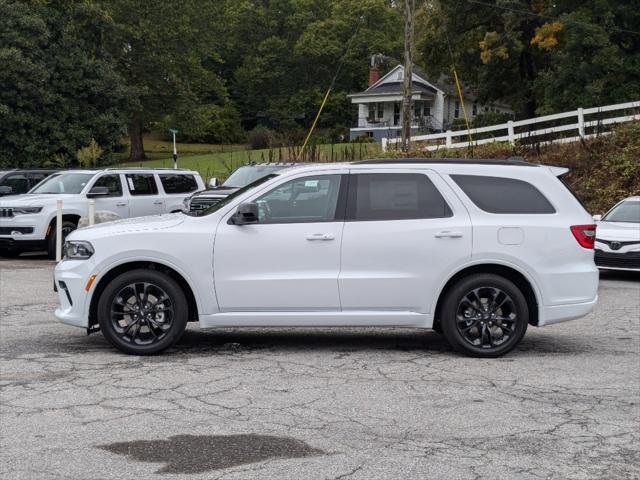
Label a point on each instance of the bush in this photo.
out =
(262, 137)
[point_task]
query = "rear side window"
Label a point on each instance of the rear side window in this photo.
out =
(174, 183)
(142, 184)
(503, 195)
(394, 196)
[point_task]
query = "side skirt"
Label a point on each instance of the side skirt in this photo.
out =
(317, 319)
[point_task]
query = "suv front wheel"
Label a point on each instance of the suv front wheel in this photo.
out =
(143, 312)
(484, 315)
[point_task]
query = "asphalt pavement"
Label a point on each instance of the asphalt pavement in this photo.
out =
(316, 403)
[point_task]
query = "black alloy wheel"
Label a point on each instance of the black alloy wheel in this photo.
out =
(142, 312)
(484, 315)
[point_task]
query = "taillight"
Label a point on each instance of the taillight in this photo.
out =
(585, 235)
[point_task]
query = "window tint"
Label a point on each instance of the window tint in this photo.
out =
(36, 178)
(176, 183)
(303, 200)
(112, 182)
(503, 195)
(17, 182)
(142, 184)
(394, 196)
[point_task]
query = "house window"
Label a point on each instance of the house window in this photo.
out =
(380, 110)
(427, 109)
(474, 111)
(372, 112)
(456, 111)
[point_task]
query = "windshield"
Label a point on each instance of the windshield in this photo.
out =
(63, 183)
(233, 196)
(246, 175)
(628, 211)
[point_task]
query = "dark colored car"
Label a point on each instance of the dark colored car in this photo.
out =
(15, 182)
(241, 177)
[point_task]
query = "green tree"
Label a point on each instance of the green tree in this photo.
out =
(166, 51)
(537, 55)
(58, 86)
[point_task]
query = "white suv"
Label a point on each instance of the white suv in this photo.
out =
(27, 222)
(477, 251)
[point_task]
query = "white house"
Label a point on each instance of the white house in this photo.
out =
(436, 105)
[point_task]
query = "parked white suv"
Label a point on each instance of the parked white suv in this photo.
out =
(27, 222)
(476, 250)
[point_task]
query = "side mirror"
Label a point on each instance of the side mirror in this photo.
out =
(597, 218)
(246, 213)
(6, 190)
(98, 192)
(213, 182)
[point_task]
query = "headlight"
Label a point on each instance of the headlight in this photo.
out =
(27, 209)
(186, 202)
(77, 250)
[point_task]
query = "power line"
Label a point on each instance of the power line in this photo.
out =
(548, 17)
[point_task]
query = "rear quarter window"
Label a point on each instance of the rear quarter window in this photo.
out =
(178, 183)
(503, 195)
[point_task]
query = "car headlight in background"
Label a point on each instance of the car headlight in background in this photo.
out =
(24, 210)
(77, 250)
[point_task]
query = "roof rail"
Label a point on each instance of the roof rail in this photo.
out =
(519, 161)
(149, 168)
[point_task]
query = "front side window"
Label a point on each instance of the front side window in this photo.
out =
(303, 200)
(176, 183)
(112, 182)
(142, 184)
(503, 195)
(394, 196)
(628, 211)
(17, 182)
(72, 183)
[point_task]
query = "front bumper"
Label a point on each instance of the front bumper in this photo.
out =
(70, 278)
(611, 260)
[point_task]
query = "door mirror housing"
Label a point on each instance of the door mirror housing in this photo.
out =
(246, 213)
(98, 192)
(213, 183)
(6, 190)
(597, 218)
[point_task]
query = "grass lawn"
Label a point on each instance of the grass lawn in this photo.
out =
(220, 160)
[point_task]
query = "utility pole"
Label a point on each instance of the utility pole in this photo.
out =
(175, 150)
(409, 9)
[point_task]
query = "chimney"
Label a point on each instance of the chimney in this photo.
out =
(374, 71)
(374, 74)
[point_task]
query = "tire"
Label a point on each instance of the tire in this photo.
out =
(165, 319)
(67, 227)
(467, 321)
(10, 253)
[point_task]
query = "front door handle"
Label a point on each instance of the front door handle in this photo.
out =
(448, 234)
(121, 204)
(320, 236)
(158, 202)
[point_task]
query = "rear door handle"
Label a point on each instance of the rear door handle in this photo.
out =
(121, 204)
(320, 236)
(158, 202)
(448, 234)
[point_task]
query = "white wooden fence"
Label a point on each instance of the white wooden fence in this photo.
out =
(508, 130)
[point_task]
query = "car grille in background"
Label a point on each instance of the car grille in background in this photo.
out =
(6, 212)
(618, 260)
(198, 204)
(8, 230)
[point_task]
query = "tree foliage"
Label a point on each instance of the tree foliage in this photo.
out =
(58, 87)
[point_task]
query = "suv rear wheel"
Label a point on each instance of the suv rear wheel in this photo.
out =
(484, 315)
(143, 312)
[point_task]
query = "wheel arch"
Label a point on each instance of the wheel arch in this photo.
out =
(508, 272)
(142, 264)
(71, 217)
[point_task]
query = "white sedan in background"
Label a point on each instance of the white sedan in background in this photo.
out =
(618, 237)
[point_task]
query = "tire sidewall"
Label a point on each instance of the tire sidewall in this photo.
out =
(464, 286)
(171, 288)
(51, 240)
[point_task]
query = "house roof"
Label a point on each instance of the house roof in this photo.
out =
(444, 84)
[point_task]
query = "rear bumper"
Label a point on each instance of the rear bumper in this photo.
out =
(562, 313)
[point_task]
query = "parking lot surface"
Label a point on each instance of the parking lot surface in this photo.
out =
(316, 403)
